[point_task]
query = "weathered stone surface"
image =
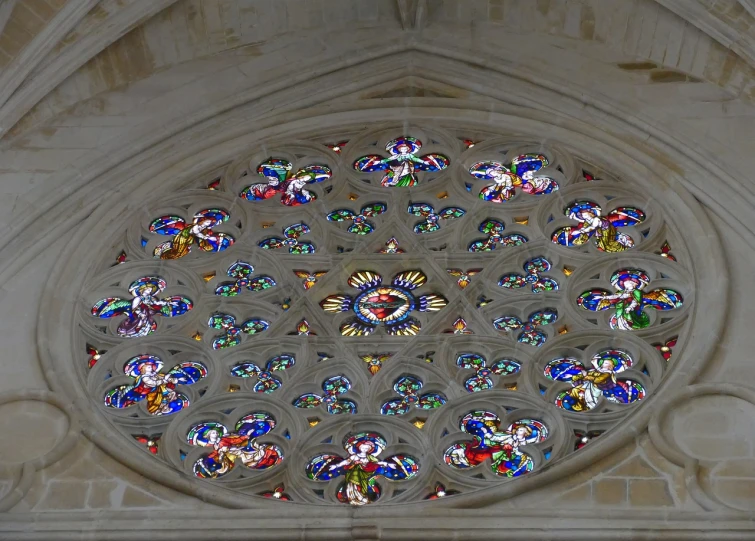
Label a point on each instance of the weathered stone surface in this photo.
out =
(610, 491)
(649, 493)
(651, 64)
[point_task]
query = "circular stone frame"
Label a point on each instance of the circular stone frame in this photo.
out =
(62, 291)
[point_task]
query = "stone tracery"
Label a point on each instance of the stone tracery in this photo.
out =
(387, 283)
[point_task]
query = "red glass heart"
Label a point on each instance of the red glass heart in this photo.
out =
(383, 306)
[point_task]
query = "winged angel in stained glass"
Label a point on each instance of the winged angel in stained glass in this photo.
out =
(402, 163)
(361, 468)
(592, 224)
(277, 171)
(503, 447)
(185, 234)
(630, 299)
(227, 448)
(140, 310)
(522, 173)
(464, 278)
(589, 385)
(158, 389)
(388, 304)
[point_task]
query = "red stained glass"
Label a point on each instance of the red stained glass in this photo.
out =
(666, 349)
(150, 442)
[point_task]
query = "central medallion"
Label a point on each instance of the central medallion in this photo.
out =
(387, 304)
(384, 305)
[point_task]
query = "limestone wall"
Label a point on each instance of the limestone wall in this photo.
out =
(203, 77)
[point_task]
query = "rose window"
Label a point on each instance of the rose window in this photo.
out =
(382, 317)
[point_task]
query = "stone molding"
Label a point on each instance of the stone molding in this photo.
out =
(696, 471)
(710, 278)
(23, 473)
(29, 80)
(693, 167)
(443, 525)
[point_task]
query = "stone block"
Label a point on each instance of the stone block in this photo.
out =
(635, 467)
(63, 495)
(735, 468)
(36, 429)
(610, 491)
(649, 493)
(136, 498)
(739, 493)
(101, 494)
(576, 497)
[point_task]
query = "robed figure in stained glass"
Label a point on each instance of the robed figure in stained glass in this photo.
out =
(589, 385)
(603, 229)
(185, 235)
(402, 162)
(523, 172)
(361, 468)
(502, 447)
(157, 388)
(141, 309)
(241, 446)
(280, 180)
(630, 300)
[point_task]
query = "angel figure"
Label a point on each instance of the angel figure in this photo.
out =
(185, 234)
(521, 173)
(402, 163)
(141, 309)
(630, 299)
(502, 447)
(375, 361)
(158, 389)
(589, 385)
(592, 223)
(277, 171)
(361, 468)
(229, 447)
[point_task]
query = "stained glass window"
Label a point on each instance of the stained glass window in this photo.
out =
(318, 317)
